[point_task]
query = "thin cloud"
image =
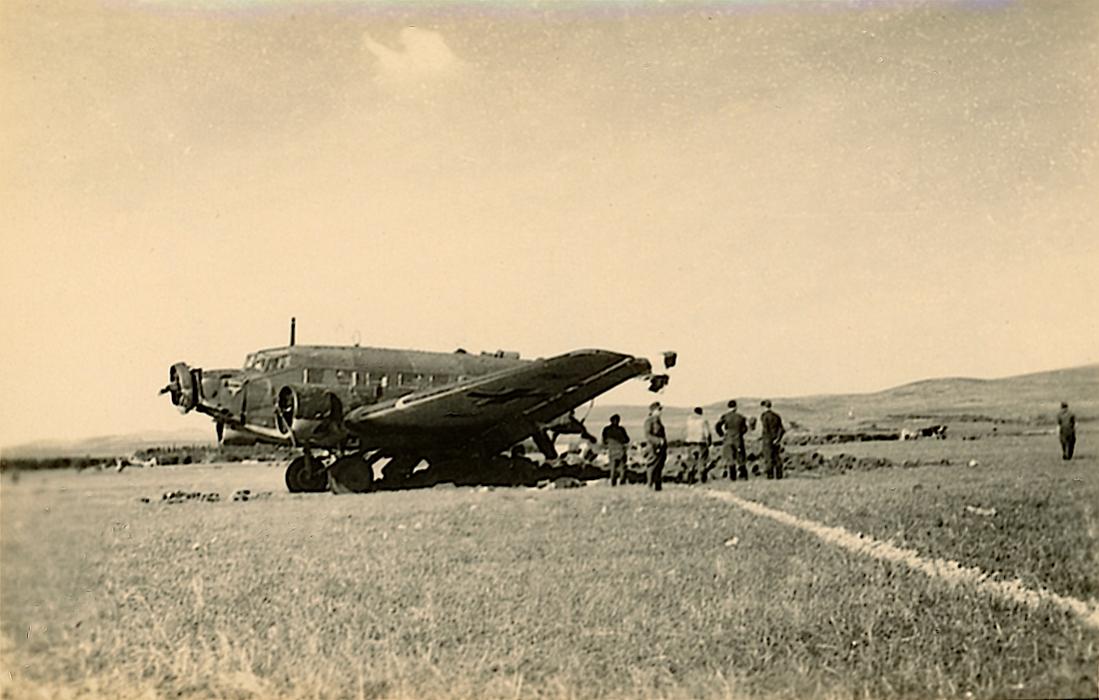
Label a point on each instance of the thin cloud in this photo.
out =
(423, 57)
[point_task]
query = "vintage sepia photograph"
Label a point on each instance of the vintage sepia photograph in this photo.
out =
(549, 349)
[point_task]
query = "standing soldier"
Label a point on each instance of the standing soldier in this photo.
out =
(771, 426)
(1066, 429)
(615, 440)
(658, 443)
(699, 438)
(732, 427)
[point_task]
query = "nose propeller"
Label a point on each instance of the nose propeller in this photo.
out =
(182, 387)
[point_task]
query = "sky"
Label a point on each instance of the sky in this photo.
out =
(799, 198)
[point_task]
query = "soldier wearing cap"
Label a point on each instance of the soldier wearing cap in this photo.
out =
(615, 440)
(1066, 430)
(732, 426)
(658, 444)
(771, 440)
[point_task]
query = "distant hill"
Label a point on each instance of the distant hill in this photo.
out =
(1025, 399)
(111, 445)
(1028, 399)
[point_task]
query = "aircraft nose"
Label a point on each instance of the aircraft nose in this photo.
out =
(182, 387)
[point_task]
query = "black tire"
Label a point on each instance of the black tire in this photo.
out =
(399, 470)
(352, 474)
(300, 478)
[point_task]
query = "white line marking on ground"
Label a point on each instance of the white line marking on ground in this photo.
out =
(949, 571)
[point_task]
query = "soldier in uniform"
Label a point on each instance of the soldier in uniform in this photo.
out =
(698, 446)
(658, 443)
(732, 426)
(1066, 430)
(771, 440)
(615, 440)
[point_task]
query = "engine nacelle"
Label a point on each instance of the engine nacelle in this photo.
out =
(183, 386)
(310, 414)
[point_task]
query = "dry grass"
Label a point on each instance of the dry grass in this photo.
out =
(1020, 511)
(594, 592)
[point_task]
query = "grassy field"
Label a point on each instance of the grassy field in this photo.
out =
(591, 592)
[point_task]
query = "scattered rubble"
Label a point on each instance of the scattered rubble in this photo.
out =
(248, 495)
(561, 482)
(181, 496)
(977, 510)
(211, 497)
(811, 461)
(840, 437)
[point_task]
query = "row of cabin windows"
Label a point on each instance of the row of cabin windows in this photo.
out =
(355, 378)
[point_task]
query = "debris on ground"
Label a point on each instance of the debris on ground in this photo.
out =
(977, 510)
(815, 461)
(561, 482)
(249, 495)
(239, 495)
(182, 496)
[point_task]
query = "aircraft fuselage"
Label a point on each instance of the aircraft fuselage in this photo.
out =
(280, 386)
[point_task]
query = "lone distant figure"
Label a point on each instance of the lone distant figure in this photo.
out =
(732, 426)
(771, 440)
(615, 440)
(1066, 429)
(698, 446)
(658, 443)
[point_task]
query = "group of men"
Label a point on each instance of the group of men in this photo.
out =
(730, 428)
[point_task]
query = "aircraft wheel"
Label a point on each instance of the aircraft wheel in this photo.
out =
(352, 474)
(399, 470)
(304, 476)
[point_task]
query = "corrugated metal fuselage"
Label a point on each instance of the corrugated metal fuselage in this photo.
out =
(245, 400)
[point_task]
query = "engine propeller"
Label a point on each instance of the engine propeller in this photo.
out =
(308, 414)
(182, 387)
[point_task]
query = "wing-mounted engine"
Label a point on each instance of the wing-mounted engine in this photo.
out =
(310, 415)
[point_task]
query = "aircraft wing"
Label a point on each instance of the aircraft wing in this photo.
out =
(499, 409)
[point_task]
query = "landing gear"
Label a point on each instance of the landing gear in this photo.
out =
(305, 474)
(399, 470)
(544, 442)
(353, 473)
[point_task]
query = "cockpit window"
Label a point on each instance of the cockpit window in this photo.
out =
(266, 363)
